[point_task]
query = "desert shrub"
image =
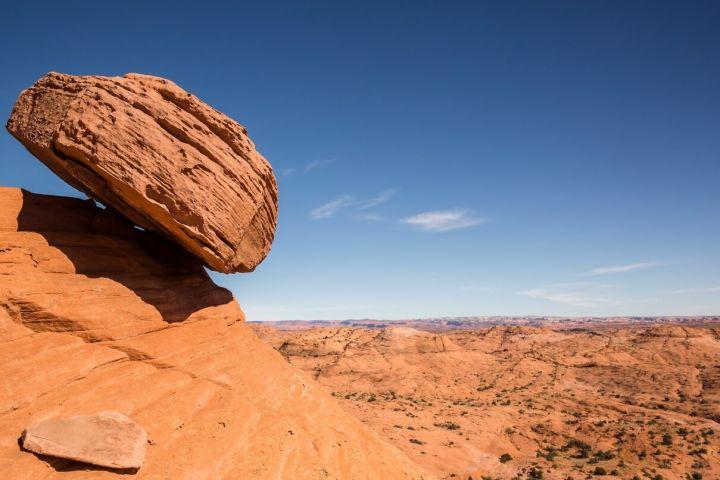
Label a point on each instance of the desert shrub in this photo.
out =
(535, 473)
(505, 457)
(448, 425)
(549, 454)
(667, 439)
(600, 455)
(599, 471)
(583, 449)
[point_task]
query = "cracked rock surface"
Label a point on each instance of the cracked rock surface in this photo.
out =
(158, 155)
(96, 315)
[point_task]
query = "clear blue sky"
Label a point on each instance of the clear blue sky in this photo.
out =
(437, 158)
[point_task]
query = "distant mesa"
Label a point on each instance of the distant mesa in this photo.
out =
(158, 155)
(403, 339)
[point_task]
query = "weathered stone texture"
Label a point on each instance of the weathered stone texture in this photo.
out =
(160, 156)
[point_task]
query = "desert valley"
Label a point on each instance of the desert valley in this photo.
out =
(567, 400)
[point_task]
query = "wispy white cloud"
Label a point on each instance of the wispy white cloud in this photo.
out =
(443, 220)
(699, 290)
(379, 199)
(318, 164)
(570, 294)
(308, 167)
(622, 268)
(329, 209)
(583, 294)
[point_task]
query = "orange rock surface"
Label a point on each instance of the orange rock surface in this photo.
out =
(96, 315)
(528, 402)
(108, 439)
(160, 156)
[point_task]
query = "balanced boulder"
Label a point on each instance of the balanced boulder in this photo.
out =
(158, 155)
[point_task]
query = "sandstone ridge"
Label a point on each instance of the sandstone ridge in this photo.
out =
(96, 315)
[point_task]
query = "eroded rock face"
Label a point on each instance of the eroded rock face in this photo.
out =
(92, 319)
(160, 156)
(69, 266)
(107, 439)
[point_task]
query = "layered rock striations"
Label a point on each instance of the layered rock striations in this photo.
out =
(96, 315)
(160, 156)
(69, 266)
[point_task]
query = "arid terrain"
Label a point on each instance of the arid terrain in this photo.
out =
(617, 399)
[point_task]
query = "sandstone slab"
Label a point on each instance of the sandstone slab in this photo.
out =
(107, 439)
(160, 156)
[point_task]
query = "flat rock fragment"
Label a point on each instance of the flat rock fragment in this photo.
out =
(106, 439)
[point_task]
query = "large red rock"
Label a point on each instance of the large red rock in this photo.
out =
(93, 317)
(160, 156)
